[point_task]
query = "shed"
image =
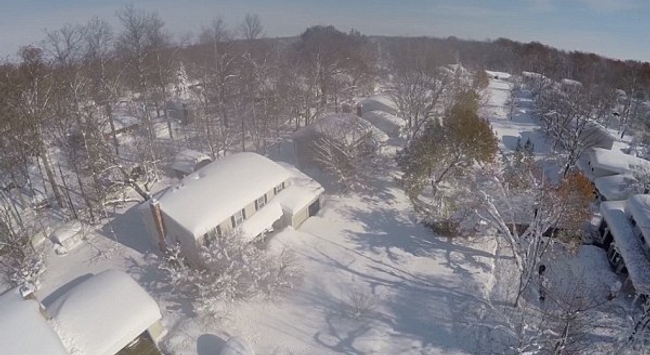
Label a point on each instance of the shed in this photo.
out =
(105, 313)
(23, 328)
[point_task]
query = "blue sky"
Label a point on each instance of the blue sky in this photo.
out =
(615, 28)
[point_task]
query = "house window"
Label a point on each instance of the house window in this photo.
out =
(238, 218)
(260, 202)
(211, 236)
(277, 189)
(632, 221)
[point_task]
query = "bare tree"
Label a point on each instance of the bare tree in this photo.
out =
(251, 28)
(33, 89)
(418, 84)
(140, 41)
(347, 150)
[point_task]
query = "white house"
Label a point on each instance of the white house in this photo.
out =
(625, 231)
(245, 192)
(100, 316)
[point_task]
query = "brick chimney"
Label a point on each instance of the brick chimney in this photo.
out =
(159, 222)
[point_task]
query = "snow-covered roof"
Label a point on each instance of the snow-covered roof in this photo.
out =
(121, 122)
(628, 245)
(24, 330)
(616, 187)
(209, 196)
(617, 162)
(103, 314)
(378, 103)
(571, 82)
(341, 125)
(186, 160)
(389, 124)
(261, 220)
(302, 191)
(501, 75)
(532, 75)
(639, 207)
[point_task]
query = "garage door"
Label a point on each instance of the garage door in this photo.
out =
(314, 208)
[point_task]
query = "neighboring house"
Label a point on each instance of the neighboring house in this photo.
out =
(597, 136)
(101, 315)
(24, 329)
(625, 234)
(244, 192)
(105, 313)
(386, 122)
(189, 161)
(592, 134)
(345, 127)
(383, 103)
(605, 162)
(616, 187)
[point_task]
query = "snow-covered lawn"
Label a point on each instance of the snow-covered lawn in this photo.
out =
(367, 247)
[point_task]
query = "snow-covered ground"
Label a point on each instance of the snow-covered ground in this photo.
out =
(523, 124)
(369, 247)
(418, 291)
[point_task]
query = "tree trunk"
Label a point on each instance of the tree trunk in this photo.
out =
(109, 112)
(50, 176)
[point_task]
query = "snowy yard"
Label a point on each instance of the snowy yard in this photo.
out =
(368, 247)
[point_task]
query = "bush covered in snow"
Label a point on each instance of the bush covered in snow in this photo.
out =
(230, 270)
(20, 262)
